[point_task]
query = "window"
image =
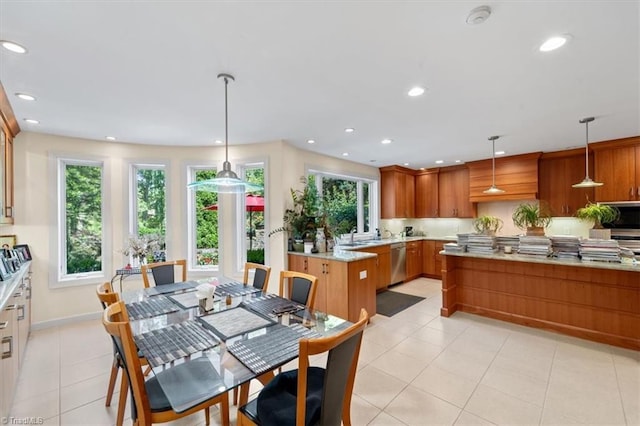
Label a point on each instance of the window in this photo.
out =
(148, 215)
(254, 215)
(203, 223)
(348, 201)
(80, 222)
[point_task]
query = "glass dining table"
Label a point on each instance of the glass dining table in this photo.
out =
(246, 335)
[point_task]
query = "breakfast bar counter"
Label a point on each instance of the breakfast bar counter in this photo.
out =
(591, 300)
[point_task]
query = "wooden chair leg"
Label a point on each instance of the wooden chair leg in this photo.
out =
(207, 414)
(224, 410)
(112, 381)
(122, 400)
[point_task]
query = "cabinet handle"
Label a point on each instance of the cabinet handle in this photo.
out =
(10, 307)
(21, 316)
(9, 353)
(4, 325)
(631, 192)
(29, 292)
(327, 268)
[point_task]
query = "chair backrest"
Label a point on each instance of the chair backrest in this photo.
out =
(116, 321)
(298, 287)
(106, 295)
(163, 272)
(260, 276)
(340, 373)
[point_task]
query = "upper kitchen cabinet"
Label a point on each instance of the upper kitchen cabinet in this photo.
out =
(398, 192)
(453, 193)
(427, 193)
(617, 166)
(557, 172)
(517, 175)
(8, 130)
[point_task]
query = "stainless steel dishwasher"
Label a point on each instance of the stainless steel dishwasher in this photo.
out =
(398, 262)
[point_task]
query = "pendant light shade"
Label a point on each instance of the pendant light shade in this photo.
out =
(226, 181)
(587, 182)
(493, 189)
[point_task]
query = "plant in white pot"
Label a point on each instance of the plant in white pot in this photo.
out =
(532, 218)
(598, 214)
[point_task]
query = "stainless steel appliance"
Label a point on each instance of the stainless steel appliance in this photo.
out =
(626, 230)
(398, 262)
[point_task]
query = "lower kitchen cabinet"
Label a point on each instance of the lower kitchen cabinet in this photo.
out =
(382, 273)
(432, 258)
(414, 260)
(343, 287)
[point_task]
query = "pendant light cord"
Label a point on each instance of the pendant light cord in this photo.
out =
(226, 122)
(586, 152)
(494, 161)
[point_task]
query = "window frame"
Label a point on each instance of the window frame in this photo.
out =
(374, 194)
(132, 207)
(57, 245)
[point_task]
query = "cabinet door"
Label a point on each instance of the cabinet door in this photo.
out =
(428, 257)
(298, 263)
(384, 270)
(427, 195)
(439, 246)
(409, 196)
(616, 168)
(464, 208)
(397, 193)
(414, 259)
(574, 171)
(336, 283)
(551, 183)
(362, 291)
(447, 194)
(317, 267)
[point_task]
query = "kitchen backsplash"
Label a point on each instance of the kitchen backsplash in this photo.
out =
(503, 209)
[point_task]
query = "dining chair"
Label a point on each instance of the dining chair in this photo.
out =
(312, 395)
(260, 276)
(150, 403)
(107, 297)
(163, 272)
(298, 287)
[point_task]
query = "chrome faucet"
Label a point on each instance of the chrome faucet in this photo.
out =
(353, 231)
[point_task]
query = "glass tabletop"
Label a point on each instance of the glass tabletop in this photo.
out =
(216, 370)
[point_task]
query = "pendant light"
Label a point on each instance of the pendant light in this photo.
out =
(226, 181)
(494, 189)
(587, 182)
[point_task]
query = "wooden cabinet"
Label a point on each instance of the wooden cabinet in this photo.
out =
(453, 193)
(617, 166)
(427, 193)
(432, 259)
(8, 130)
(558, 172)
(414, 260)
(382, 274)
(397, 192)
(517, 175)
(343, 287)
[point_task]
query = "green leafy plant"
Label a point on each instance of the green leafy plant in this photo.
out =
(531, 215)
(598, 213)
(487, 224)
(305, 216)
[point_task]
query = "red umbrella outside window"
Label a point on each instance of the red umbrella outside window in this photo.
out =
(253, 203)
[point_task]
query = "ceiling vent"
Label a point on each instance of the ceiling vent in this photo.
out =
(478, 15)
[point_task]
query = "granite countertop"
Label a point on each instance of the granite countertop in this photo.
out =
(8, 287)
(339, 255)
(552, 261)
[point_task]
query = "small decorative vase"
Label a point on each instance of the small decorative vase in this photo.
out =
(321, 243)
(135, 262)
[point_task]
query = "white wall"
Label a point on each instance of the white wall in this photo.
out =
(34, 203)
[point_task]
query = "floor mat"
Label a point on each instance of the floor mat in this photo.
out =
(390, 303)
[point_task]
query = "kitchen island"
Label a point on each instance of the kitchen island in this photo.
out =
(592, 300)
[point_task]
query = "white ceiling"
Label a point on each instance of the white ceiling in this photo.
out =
(145, 72)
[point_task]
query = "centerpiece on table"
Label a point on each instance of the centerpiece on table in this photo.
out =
(140, 247)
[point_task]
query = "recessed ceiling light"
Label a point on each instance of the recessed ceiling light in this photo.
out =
(422, 168)
(311, 141)
(458, 161)
(345, 154)
(110, 138)
(349, 130)
(218, 141)
(439, 161)
(415, 91)
(386, 141)
(372, 161)
(31, 120)
(13, 47)
(25, 97)
(478, 15)
(406, 164)
(554, 43)
(500, 152)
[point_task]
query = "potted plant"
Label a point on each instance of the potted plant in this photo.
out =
(599, 214)
(301, 220)
(487, 225)
(532, 218)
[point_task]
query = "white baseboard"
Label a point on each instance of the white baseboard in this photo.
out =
(67, 320)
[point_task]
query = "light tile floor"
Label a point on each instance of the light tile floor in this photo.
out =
(416, 368)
